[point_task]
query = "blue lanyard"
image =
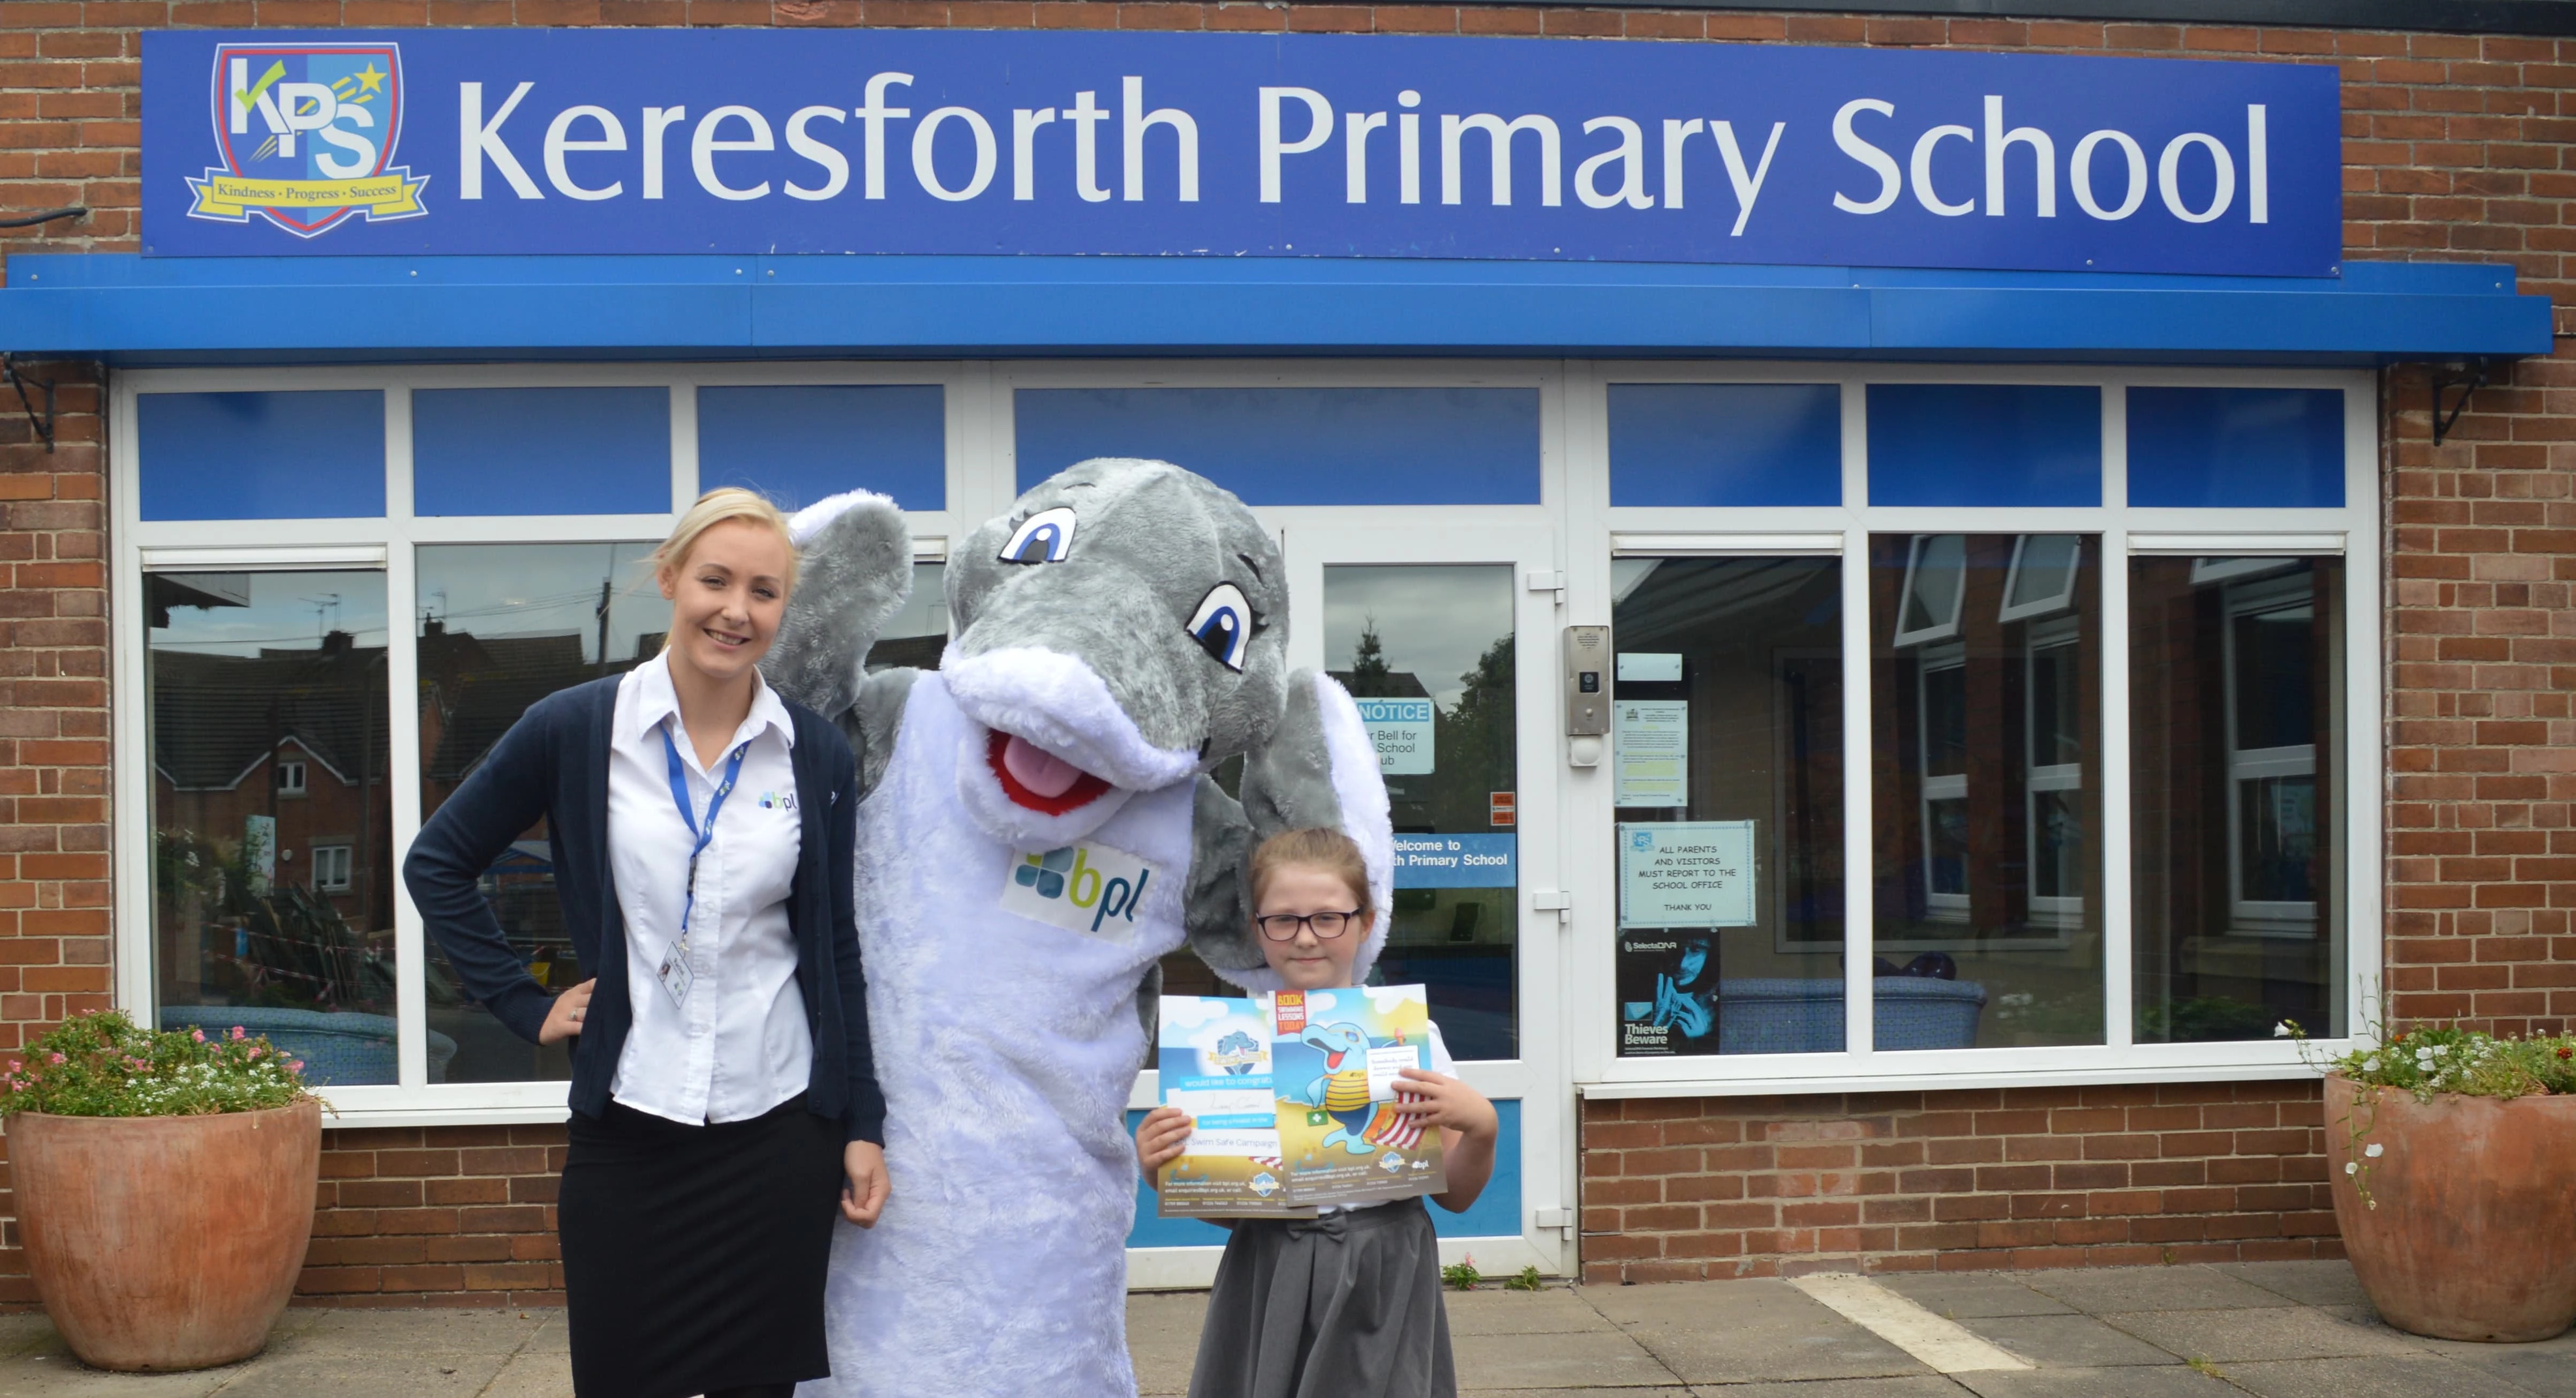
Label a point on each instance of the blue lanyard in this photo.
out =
(680, 798)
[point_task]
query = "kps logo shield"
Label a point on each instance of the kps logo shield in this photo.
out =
(307, 133)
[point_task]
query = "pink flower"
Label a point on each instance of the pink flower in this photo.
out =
(254, 1050)
(54, 1057)
(297, 1065)
(237, 1033)
(197, 1034)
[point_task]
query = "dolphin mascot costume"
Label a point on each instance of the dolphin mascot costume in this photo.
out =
(1037, 828)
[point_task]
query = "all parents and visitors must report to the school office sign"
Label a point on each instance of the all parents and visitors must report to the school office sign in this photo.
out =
(427, 142)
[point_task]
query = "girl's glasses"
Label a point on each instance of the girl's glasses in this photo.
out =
(1282, 927)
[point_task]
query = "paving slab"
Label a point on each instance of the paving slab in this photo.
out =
(1163, 1338)
(1596, 1359)
(1735, 1332)
(58, 1375)
(2546, 1369)
(1573, 1392)
(2067, 1341)
(1965, 1295)
(2170, 1381)
(2228, 1337)
(1555, 1311)
(2308, 1283)
(1910, 1386)
(2412, 1376)
(444, 1331)
(2186, 1288)
(532, 1374)
(405, 1373)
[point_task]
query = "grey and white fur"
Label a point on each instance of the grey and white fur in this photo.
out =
(1007, 1045)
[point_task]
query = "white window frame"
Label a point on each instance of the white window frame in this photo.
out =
(2253, 595)
(2121, 531)
(291, 773)
(1574, 502)
(346, 855)
(2060, 910)
(1938, 905)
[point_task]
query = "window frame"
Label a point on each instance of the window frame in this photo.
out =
(2351, 531)
(1589, 532)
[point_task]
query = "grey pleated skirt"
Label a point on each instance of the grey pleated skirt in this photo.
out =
(1340, 1306)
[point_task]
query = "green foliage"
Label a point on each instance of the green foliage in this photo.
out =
(1527, 1281)
(1462, 1276)
(2429, 1062)
(105, 1064)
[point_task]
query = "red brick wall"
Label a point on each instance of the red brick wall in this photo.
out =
(443, 1216)
(2456, 147)
(2481, 736)
(1682, 1190)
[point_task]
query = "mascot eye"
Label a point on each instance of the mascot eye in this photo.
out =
(1223, 625)
(1044, 537)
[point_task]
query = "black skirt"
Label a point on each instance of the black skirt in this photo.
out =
(694, 1257)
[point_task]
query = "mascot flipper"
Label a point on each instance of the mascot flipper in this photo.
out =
(1036, 831)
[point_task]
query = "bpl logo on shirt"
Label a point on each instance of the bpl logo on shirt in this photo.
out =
(1091, 889)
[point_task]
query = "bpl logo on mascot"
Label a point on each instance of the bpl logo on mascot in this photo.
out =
(1084, 888)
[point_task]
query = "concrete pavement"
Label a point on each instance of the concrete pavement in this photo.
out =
(2274, 1329)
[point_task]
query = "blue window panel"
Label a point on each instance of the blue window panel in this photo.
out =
(1495, 1214)
(2002, 445)
(262, 455)
(1726, 444)
(797, 445)
(541, 451)
(2240, 447)
(1301, 446)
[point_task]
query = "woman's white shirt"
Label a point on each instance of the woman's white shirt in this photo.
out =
(738, 1046)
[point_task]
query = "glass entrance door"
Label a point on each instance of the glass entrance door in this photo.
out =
(1451, 655)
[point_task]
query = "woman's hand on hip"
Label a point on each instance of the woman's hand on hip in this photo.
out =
(564, 1017)
(864, 1196)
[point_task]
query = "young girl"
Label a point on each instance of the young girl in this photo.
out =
(1347, 1302)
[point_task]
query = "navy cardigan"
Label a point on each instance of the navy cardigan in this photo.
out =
(554, 763)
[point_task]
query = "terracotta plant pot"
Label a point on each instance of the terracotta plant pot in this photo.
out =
(167, 1242)
(2475, 1234)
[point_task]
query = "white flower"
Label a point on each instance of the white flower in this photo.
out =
(2281, 1030)
(2375, 1150)
(2350, 1168)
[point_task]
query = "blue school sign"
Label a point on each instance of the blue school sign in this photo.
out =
(430, 142)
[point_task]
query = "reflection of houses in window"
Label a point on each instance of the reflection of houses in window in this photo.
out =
(294, 736)
(2269, 648)
(1990, 722)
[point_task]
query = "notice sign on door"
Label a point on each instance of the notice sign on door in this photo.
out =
(1652, 762)
(1401, 729)
(1686, 873)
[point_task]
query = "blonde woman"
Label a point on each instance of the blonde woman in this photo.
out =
(723, 1095)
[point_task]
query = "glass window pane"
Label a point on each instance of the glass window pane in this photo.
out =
(797, 444)
(541, 451)
(272, 847)
(1726, 444)
(1300, 446)
(501, 626)
(299, 455)
(1727, 764)
(2235, 447)
(1988, 884)
(917, 636)
(1434, 646)
(2237, 729)
(1984, 444)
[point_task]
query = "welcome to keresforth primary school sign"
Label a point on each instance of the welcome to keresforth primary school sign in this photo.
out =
(427, 142)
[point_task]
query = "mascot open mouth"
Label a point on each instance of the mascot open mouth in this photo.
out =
(1037, 779)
